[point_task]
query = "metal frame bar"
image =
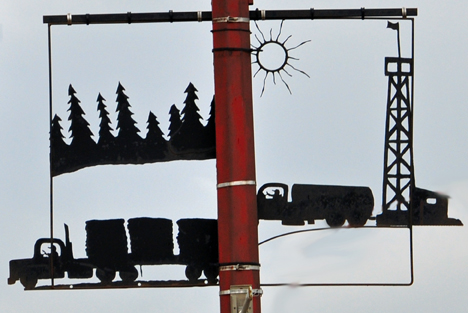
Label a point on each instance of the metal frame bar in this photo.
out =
(199, 16)
(372, 14)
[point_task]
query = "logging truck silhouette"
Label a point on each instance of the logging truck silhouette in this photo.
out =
(106, 247)
(336, 204)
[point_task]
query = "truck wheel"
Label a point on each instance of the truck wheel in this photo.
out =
(211, 273)
(28, 281)
(192, 273)
(335, 219)
(106, 276)
(357, 218)
(129, 274)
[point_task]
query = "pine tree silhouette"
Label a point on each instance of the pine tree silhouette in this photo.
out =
(174, 120)
(128, 132)
(105, 135)
(155, 143)
(79, 127)
(190, 134)
(210, 128)
(58, 148)
(56, 136)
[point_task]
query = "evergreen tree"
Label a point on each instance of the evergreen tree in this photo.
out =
(128, 132)
(191, 132)
(210, 128)
(174, 120)
(155, 143)
(155, 134)
(191, 118)
(56, 136)
(105, 135)
(79, 127)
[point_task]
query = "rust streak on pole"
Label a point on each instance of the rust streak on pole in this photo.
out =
(237, 207)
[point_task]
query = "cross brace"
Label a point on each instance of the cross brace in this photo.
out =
(200, 16)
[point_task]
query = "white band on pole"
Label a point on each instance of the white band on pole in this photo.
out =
(237, 183)
(231, 19)
(255, 292)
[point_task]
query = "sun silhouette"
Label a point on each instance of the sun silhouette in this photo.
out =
(274, 47)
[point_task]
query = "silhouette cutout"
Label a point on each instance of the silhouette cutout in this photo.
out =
(151, 242)
(188, 138)
(105, 135)
(335, 204)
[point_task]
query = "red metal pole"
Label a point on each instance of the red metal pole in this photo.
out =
(235, 157)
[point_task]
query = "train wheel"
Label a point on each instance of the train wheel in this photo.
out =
(211, 273)
(192, 273)
(357, 218)
(29, 281)
(128, 274)
(335, 219)
(106, 276)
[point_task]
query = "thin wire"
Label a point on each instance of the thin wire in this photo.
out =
(410, 226)
(51, 180)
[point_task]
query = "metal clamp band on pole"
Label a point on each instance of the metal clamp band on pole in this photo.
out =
(231, 19)
(255, 292)
(240, 267)
(237, 183)
(69, 19)
(403, 12)
(199, 16)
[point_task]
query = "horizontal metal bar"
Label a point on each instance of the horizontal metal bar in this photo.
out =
(170, 16)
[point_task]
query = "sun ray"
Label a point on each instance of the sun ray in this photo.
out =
(284, 42)
(280, 30)
(298, 70)
(286, 84)
(260, 33)
(264, 80)
(302, 43)
(259, 69)
(284, 70)
(274, 77)
(280, 66)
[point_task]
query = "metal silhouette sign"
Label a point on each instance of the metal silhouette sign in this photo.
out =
(189, 139)
(107, 253)
(150, 239)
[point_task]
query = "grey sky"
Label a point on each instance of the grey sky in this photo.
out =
(329, 131)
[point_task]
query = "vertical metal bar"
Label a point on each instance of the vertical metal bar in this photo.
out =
(51, 179)
(413, 180)
(237, 208)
